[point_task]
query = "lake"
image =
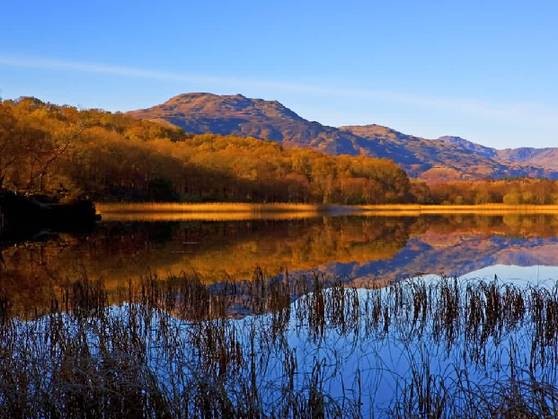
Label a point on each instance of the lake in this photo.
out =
(366, 251)
(336, 314)
(370, 251)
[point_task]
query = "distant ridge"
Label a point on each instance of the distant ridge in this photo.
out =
(235, 114)
(438, 159)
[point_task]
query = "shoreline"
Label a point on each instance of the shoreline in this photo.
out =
(459, 209)
(335, 209)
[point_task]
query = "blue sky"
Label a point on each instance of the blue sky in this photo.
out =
(483, 70)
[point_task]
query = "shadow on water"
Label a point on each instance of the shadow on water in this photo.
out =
(36, 218)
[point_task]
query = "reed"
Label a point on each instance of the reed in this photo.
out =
(234, 207)
(410, 209)
(240, 210)
(288, 346)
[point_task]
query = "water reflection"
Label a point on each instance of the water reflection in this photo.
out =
(371, 251)
(447, 346)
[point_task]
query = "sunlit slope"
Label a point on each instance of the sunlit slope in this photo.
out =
(433, 159)
(112, 157)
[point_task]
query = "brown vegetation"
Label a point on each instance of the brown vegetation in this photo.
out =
(60, 150)
(506, 191)
(113, 157)
(430, 159)
(176, 349)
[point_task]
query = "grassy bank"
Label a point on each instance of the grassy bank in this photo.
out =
(245, 211)
(215, 211)
(451, 209)
(207, 207)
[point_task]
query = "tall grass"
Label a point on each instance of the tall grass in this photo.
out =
(174, 207)
(187, 211)
(410, 209)
(146, 216)
(288, 346)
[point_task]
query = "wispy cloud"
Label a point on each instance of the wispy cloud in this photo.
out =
(535, 113)
(112, 70)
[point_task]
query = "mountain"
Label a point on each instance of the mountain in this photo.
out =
(431, 159)
(545, 157)
(448, 157)
(199, 113)
(469, 254)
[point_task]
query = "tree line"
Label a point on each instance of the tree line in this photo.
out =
(60, 150)
(521, 191)
(50, 149)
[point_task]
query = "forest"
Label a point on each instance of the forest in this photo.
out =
(521, 191)
(60, 150)
(65, 152)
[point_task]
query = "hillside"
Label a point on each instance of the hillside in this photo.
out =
(60, 150)
(446, 157)
(431, 159)
(199, 113)
(545, 157)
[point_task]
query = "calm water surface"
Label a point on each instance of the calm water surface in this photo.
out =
(367, 251)
(370, 250)
(357, 356)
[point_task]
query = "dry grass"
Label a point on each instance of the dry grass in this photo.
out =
(136, 360)
(415, 209)
(206, 216)
(245, 211)
(207, 208)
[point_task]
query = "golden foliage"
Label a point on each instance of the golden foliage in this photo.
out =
(511, 192)
(113, 157)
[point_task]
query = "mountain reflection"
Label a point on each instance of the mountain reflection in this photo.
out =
(371, 251)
